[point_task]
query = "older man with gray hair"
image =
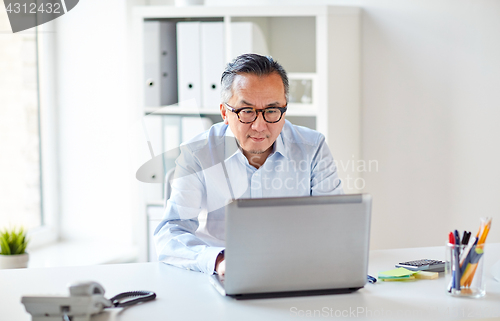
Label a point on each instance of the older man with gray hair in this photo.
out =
(253, 153)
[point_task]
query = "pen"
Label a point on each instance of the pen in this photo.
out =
(469, 266)
(457, 265)
(457, 241)
(470, 270)
(474, 261)
(371, 279)
(465, 238)
(474, 267)
(451, 241)
(465, 257)
(485, 231)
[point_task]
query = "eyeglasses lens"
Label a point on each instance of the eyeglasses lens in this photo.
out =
(270, 115)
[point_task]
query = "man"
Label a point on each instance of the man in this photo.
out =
(254, 153)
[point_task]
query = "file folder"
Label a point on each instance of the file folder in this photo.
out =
(189, 62)
(201, 58)
(153, 127)
(160, 63)
(246, 37)
(212, 63)
(171, 140)
(172, 134)
(192, 126)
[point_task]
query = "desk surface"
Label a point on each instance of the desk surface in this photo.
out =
(186, 295)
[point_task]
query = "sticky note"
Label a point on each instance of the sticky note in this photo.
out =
(395, 273)
(426, 275)
(402, 279)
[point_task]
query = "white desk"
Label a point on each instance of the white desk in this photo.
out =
(186, 295)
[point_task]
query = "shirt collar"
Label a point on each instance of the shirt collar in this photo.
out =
(279, 146)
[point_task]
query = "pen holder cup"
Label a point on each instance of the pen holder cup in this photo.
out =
(464, 271)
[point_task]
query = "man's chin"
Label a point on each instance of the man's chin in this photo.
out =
(257, 149)
(253, 148)
(256, 152)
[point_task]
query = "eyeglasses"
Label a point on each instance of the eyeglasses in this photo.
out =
(247, 115)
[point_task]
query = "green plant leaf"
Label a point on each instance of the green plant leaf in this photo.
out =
(5, 246)
(16, 245)
(13, 242)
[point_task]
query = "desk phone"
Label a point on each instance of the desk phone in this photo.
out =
(85, 300)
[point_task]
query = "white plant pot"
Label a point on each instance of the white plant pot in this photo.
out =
(18, 261)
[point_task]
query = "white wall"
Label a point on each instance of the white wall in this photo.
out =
(430, 113)
(95, 117)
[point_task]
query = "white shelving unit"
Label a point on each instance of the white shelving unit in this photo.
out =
(320, 40)
(324, 40)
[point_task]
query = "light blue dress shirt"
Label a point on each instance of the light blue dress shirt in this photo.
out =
(211, 171)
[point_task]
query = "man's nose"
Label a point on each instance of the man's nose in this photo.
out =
(259, 124)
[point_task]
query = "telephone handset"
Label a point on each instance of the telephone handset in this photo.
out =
(86, 299)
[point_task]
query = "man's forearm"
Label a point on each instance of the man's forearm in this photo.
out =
(176, 244)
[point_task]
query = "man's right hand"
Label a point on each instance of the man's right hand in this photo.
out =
(220, 264)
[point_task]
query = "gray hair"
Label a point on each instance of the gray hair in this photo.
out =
(250, 64)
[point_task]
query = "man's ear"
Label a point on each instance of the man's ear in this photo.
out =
(223, 112)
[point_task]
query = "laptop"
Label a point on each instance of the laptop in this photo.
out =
(279, 247)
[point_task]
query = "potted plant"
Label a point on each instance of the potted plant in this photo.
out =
(13, 249)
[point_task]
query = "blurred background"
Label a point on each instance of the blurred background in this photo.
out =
(71, 138)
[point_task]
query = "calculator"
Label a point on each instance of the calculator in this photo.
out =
(423, 265)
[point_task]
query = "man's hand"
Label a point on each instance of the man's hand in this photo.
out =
(220, 264)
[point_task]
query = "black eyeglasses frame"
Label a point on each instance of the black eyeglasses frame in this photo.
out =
(257, 111)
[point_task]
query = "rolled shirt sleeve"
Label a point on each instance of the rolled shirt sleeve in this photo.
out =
(175, 237)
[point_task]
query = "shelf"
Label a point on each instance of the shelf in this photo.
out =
(165, 110)
(295, 110)
(301, 110)
(156, 12)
